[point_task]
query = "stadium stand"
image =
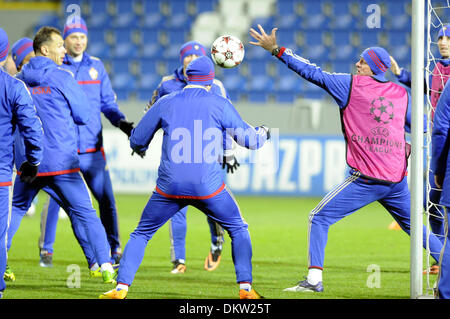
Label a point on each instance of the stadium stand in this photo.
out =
(329, 33)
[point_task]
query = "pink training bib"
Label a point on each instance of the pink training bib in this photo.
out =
(441, 73)
(374, 122)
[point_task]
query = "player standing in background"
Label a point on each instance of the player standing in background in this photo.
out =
(21, 53)
(17, 111)
(91, 75)
(440, 165)
(191, 175)
(178, 225)
(438, 79)
(60, 103)
(374, 113)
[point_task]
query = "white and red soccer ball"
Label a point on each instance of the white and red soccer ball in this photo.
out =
(227, 51)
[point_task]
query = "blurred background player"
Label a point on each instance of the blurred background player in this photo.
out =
(60, 103)
(438, 79)
(378, 169)
(17, 112)
(91, 75)
(191, 180)
(178, 225)
(440, 166)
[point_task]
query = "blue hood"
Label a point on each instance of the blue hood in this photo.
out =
(35, 72)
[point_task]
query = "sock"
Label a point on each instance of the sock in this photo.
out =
(314, 276)
(122, 287)
(94, 267)
(245, 285)
(107, 267)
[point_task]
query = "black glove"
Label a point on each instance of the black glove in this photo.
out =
(140, 153)
(126, 127)
(231, 163)
(265, 128)
(28, 172)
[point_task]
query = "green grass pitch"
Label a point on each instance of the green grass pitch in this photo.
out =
(278, 229)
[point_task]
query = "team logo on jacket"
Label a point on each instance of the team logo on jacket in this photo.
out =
(93, 74)
(382, 110)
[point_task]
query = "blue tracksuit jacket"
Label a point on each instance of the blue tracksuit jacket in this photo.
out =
(90, 73)
(17, 111)
(440, 143)
(53, 89)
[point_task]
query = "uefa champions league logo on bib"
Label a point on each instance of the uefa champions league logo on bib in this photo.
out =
(382, 110)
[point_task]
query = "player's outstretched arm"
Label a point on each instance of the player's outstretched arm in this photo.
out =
(336, 84)
(143, 133)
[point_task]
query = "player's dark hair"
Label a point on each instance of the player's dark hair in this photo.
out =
(42, 36)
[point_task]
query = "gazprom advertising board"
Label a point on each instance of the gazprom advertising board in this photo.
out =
(286, 166)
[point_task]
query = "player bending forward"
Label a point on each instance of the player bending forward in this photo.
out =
(189, 173)
(372, 109)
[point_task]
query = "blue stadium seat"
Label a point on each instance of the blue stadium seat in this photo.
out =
(123, 81)
(259, 83)
(253, 52)
(152, 6)
(266, 22)
(205, 5)
(340, 38)
(178, 6)
(285, 97)
(344, 53)
(317, 53)
(342, 19)
(99, 49)
(291, 83)
(314, 17)
(148, 66)
(125, 16)
(285, 7)
(98, 14)
(398, 38)
(257, 67)
(178, 21)
(172, 65)
(172, 52)
(401, 52)
(148, 81)
(152, 20)
(151, 50)
(233, 82)
(369, 39)
(144, 95)
(286, 38)
(312, 37)
(176, 37)
(120, 66)
(343, 66)
(288, 22)
(123, 94)
(258, 97)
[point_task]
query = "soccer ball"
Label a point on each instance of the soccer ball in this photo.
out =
(227, 51)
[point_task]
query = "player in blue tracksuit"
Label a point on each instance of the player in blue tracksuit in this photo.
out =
(193, 121)
(172, 83)
(440, 164)
(91, 75)
(340, 202)
(17, 111)
(61, 104)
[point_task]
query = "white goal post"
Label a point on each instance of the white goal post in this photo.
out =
(417, 147)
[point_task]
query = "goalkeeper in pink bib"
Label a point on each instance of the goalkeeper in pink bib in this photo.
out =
(375, 114)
